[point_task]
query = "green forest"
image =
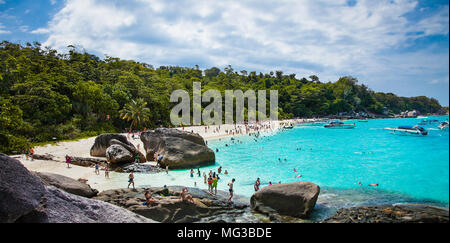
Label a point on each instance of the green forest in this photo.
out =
(47, 96)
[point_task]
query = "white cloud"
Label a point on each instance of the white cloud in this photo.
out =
(328, 38)
(2, 29)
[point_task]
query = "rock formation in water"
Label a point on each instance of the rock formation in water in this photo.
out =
(179, 149)
(295, 199)
(402, 213)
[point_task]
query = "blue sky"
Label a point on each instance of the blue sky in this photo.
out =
(398, 46)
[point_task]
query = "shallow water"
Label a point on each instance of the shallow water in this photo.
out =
(408, 169)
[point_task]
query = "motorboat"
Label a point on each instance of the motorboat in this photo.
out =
(288, 127)
(444, 126)
(428, 122)
(421, 117)
(408, 130)
(339, 124)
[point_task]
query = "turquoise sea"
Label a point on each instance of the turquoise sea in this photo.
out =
(408, 169)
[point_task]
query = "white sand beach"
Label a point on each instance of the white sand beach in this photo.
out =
(81, 148)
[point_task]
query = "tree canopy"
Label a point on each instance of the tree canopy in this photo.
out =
(46, 95)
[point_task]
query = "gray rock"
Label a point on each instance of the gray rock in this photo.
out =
(179, 149)
(170, 208)
(102, 142)
(402, 213)
(117, 154)
(295, 199)
(62, 207)
(131, 149)
(141, 168)
(20, 191)
(67, 184)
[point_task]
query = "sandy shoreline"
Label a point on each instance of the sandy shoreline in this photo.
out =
(81, 148)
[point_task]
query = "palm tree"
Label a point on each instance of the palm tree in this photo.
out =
(136, 112)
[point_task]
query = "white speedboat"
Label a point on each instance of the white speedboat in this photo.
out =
(428, 122)
(408, 130)
(339, 124)
(421, 117)
(444, 126)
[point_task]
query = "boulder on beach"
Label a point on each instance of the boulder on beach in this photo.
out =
(295, 199)
(20, 191)
(102, 142)
(179, 149)
(66, 184)
(116, 154)
(130, 148)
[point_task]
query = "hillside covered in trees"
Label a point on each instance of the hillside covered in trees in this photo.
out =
(46, 95)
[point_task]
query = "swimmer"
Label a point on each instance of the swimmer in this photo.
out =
(374, 185)
(359, 183)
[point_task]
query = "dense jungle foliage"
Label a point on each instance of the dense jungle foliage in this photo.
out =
(46, 95)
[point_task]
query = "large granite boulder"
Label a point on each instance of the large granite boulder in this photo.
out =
(20, 191)
(295, 199)
(25, 199)
(117, 154)
(66, 184)
(179, 149)
(130, 148)
(61, 207)
(102, 142)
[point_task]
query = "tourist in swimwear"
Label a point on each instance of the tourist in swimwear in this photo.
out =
(106, 171)
(31, 153)
(256, 186)
(204, 178)
(68, 160)
(186, 197)
(230, 184)
(97, 169)
(226, 172)
(210, 184)
(219, 170)
(214, 184)
(167, 169)
(270, 183)
(198, 172)
(131, 180)
(192, 172)
(374, 185)
(148, 198)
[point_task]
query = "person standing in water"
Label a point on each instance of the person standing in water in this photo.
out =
(210, 180)
(131, 180)
(219, 170)
(230, 184)
(204, 178)
(256, 186)
(167, 169)
(214, 184)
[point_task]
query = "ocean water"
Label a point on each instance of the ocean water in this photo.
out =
(408, 169)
